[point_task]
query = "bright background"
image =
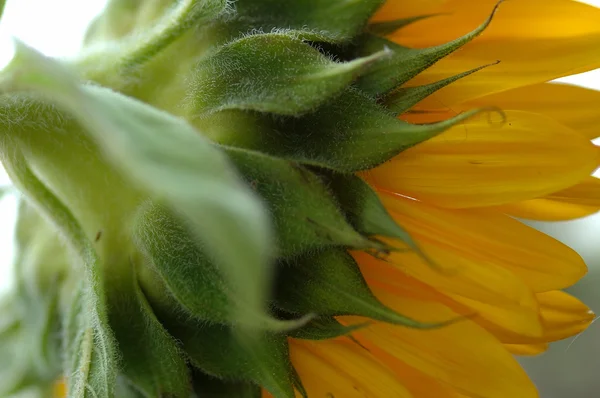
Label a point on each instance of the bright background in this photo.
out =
(569, 370)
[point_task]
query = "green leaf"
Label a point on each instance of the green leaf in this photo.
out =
(405, 63)
(272, 72)
(334, 138)
(220, 350)
(305, 215)
(405, 98)
(324, 328)
(384, 28)
(90, 348)
(206, 386)
(329, 283)
(316, 20)
(150, 358)
(173, 162)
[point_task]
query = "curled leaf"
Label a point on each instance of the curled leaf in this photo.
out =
(173, 162)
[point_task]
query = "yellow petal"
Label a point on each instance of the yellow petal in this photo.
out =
(535, 41)
(417, 382)
(489, 291)
(547, 210)
(586, 193)
(336, 369)
(527, 349)
(508, 321)
(462, 355)
(574, 202)
(478, 164)
(563, 315)
(517, 20)
(573, 106)
(487, 237)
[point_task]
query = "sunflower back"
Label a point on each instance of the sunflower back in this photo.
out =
(191, 192)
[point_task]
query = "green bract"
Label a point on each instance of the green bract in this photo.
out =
(188, 193)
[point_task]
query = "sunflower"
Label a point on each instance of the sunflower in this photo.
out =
(313, 198)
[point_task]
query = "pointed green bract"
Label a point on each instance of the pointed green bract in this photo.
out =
(324, 328)
(405, 63)
(149, 357)
(317, 20)
(363, 208)
(305, 215)
(189, 275)
(365, 211)
(274, 73)
(405, 98)
(339, 140)
(388, 27)
(260, 358)
(329, 283)
(263, 361)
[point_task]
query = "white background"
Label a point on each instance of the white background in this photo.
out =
(56, 28)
